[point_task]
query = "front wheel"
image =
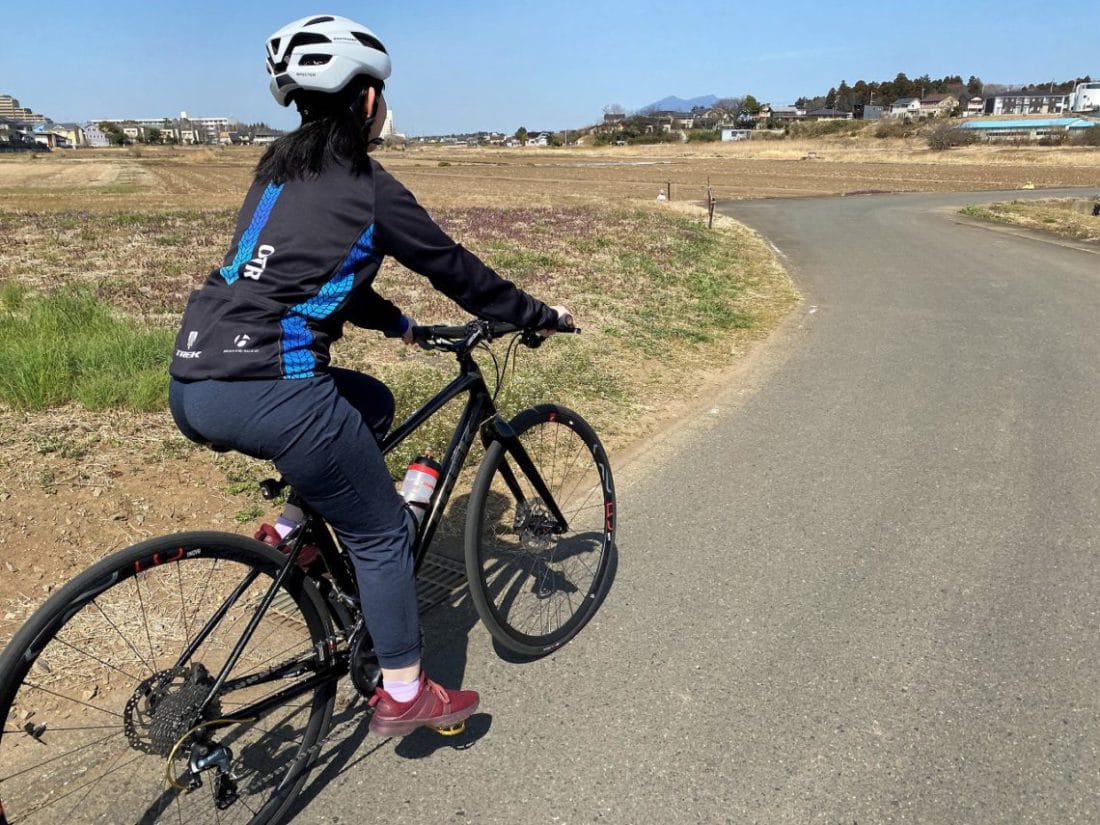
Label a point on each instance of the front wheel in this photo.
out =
(109, 698)
(534, 578)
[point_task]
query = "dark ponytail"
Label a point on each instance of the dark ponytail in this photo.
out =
(333, 128)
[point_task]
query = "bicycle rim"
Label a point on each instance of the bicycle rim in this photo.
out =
(534, 585)
(100, 715)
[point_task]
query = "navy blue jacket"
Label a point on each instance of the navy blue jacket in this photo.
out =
(301, 265)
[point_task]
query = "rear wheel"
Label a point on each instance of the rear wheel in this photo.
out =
(101, 690)
(536, 581)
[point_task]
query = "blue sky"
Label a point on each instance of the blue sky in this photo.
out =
(546, 64)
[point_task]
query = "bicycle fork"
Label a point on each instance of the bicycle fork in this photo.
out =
(505, 433)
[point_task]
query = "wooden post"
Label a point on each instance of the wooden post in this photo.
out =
(710, 205)
(668, 184)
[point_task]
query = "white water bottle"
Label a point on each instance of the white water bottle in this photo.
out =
(419, 484)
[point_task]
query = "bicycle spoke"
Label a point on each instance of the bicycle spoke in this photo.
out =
(91, 785)
(183, 605)
(94, 658)
(70, 699)
(81, 787)
(38, 766)
(121, 635)
(145, 622)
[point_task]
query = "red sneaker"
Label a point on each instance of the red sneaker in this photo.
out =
(269, 535)
(434, 707)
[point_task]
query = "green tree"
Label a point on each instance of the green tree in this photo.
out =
(153, 135)
(114, 133)
(521, 135)
(903, 87)
(861, 93)
(844, 97)
(751, 105)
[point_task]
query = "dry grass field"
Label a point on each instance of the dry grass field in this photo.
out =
(167, 178)
(141, 227)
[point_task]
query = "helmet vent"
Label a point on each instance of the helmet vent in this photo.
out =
(304, 39)
(317, 20)
(369, 42)
(314, 59)
(275, 45)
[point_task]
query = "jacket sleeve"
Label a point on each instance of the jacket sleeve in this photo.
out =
(370, 310)
(405, 231)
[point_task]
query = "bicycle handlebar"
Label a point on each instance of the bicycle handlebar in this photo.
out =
(467, 336)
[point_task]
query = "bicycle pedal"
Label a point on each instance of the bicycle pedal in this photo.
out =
(451, 730)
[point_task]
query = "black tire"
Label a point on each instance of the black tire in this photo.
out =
(534, 588)
(88, 728)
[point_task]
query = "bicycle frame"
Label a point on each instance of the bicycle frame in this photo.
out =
(478, 415)
(479, 408)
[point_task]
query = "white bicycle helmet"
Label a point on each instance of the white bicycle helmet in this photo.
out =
(321, 54)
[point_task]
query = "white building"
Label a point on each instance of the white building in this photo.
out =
(94, 136)
(1027, 103)
(736, 134)
(211, 125)
(905, 107)
(1085, 98)
(10, 109)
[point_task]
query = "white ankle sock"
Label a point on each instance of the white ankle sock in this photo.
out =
(403, 691)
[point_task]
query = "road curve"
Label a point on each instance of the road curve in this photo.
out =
(861, 586)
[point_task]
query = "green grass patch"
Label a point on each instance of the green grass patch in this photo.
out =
(67, 346)
(520, 262)
(1069, 217)
(972, 210)
(693, 287)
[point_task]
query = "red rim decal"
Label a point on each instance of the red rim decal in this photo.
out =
(156, 562)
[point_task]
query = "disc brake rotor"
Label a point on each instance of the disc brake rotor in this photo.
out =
(535, 526)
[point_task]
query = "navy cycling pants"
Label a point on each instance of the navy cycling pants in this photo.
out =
(322, 433)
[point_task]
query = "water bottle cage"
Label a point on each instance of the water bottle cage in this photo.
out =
(411, 508)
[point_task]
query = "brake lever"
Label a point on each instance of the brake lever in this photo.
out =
(530, 338)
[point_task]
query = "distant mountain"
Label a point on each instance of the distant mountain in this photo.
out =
(678, 104)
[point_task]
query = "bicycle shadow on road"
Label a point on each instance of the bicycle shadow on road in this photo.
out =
(446, 629)
(601, 595)
(446, 626)
(507, 587)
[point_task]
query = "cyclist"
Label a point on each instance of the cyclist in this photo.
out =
(251, 368)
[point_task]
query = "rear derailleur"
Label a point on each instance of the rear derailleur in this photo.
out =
(218, 758)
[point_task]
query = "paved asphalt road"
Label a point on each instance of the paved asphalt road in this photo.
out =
(861, 585)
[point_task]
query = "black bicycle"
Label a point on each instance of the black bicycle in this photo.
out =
(192, 678)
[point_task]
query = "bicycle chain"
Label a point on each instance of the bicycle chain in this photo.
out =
(327, 645)
(311, 753)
